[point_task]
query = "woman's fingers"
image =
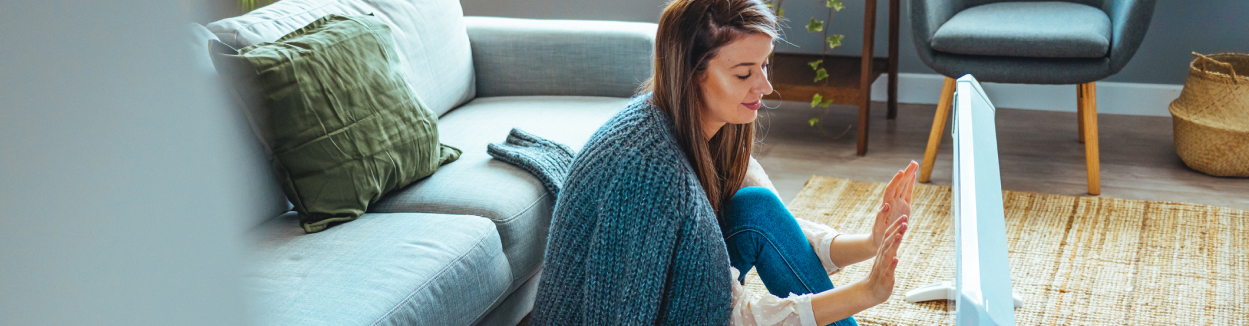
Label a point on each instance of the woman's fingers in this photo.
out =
(897, 242)
(908, 181)
(882, 218)
(886, 240)
(897, 225)
(894, 237)
(906, 175)
(881, 224)
(883, 215)
(896, 229)
(891, 190)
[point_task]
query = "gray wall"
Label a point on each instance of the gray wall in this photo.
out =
(118, 201)
(1178, 28)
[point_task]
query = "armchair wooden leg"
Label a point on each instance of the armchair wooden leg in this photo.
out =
(1080, 110)
(1089, 131)
(938, 129)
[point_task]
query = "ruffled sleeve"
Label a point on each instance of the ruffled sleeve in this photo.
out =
(820, 237)
(756, 177)
(759, 309)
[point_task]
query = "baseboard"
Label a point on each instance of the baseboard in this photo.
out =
(1112, 97)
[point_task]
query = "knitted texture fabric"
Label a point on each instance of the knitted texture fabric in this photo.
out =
(633, 239)
(545, 159)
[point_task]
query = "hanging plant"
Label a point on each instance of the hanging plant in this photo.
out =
(829, 42)
(246, 6)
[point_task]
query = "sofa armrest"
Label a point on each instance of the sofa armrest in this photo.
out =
(559, 57)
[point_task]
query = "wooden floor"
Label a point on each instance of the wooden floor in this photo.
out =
(1039, 152)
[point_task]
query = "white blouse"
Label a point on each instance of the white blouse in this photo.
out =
(750, 308)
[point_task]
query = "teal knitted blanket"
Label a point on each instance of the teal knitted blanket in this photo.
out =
(633, 239)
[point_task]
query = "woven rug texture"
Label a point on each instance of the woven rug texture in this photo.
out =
(1075, 260)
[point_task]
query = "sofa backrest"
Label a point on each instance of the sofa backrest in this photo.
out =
(429, 37)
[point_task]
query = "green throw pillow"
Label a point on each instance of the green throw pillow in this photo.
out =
(341, 124)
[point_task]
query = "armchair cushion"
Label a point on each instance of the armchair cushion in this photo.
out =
(1027, 29)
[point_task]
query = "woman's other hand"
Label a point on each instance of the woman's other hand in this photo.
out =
(837, 304)
(881, 278)
(896, 202)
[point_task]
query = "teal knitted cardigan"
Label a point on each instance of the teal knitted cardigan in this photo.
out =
(633, 239)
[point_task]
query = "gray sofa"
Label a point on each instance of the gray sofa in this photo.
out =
(465, 245)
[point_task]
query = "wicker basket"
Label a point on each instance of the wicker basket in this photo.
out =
(1211, 116)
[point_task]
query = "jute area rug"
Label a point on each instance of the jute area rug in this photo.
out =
(1075, 260)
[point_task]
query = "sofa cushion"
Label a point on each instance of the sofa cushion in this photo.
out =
(343, 126)
(478, 185)
(429, 36)
(1027, 29)
(382, 269)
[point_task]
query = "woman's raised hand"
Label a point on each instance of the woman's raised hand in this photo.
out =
(896, 202)
(890, 225)
(880, 280)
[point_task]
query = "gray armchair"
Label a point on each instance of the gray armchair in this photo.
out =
(1029, 42)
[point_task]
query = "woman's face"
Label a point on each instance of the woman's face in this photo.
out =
(735, 82)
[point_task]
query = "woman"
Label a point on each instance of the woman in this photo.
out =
(653, 225)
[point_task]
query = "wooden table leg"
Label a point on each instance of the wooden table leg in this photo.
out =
(865, 85)
(894, 7)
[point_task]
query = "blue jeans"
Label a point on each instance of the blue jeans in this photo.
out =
(761, 233)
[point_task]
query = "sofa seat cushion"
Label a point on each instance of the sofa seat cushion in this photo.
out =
(1027, 29)
(430, 38)
(478, 185)
(382, 269)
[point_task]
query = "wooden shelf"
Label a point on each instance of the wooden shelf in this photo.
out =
(792, 77)
(847, 83)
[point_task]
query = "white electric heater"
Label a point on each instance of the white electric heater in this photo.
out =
(981, 288)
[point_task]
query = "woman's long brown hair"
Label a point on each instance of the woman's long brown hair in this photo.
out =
(691, 33)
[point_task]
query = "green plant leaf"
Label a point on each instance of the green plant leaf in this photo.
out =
(815, 64)
(780, 12)
(767, 5)
(820, 74)
(815, 100)
(815, 25)
(827, 103)
(835, 40)
(813, 121)
(247, 5)
(835, 4)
